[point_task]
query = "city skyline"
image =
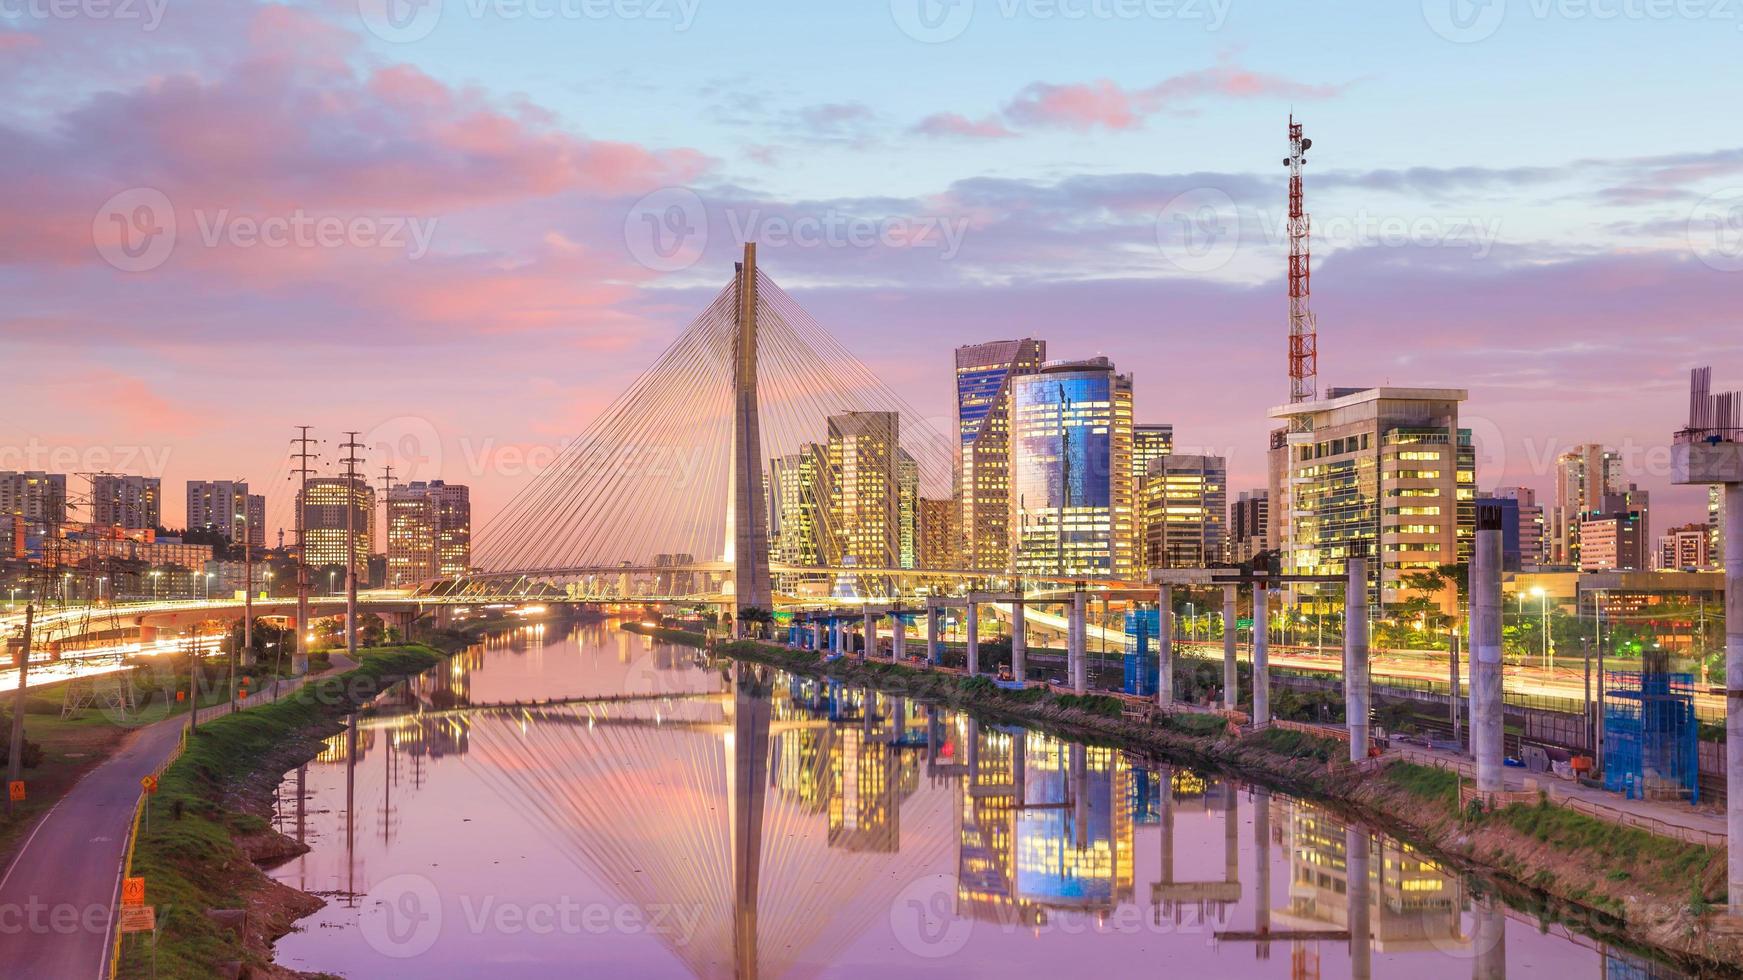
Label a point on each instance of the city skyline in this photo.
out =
(1514, 261)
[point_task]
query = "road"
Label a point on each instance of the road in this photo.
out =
(57, 895)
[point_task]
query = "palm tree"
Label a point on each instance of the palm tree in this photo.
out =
(756, 618)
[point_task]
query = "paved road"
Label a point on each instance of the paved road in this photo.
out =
(56, 897)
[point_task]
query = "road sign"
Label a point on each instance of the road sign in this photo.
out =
(1243, 622)
(138, 918)
(149, 784)
(15, 790)
(181, 695)
(132, 891)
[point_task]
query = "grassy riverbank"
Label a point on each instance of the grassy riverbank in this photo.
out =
(1623, 884)
(209, 823)
(680, 637)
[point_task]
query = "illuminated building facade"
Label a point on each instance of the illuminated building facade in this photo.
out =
(1381, 472)
(1150, 442)
(227, 507)
(1249, 525)
(1583, 476)
(1071, 489)
(36, 499)
(907, 509)
(1533, 526)
(1685, 547)
(429, 532)
(984, 376)
(864, 485)
(1183, 505)
(939, 537)
(798, 492)
(324, 510)
(1613, 542)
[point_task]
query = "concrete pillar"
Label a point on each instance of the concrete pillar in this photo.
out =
(1231, 833)
(1078, 671)
(1356, 844)
(932, 646)
(898, 718)
(1261, 656)
(1356, 657)
(1231, 678)
(1485, 589)
(817, 635)
(973, 636)
(898, 637)
(1489, 940)
(1166, 822)
(1734, 691)
(1165, 647)
(1079, 795)
(1019, 642)
(1262, 868)
(147, 635)
(871, 633)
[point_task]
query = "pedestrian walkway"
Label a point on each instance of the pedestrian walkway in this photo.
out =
(57, 898)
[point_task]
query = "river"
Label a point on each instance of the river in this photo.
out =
(670, 817)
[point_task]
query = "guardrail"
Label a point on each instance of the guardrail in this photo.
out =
(132, 841)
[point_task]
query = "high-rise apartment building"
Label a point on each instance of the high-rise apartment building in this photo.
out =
(799, 520)
(984, 374)
(1583, 476)
(35, 498)
(1533, 526)
(907, 509)
(134, 503)
(1150, 442)
(1686, 547)
(1381, 472)
(939, 538)
(1631, 500)
(864, 484)
(324, 520)
(1073, 506)
(1249, 525)
(227, 507)
(1183, 505)
(1716, 524)
(429, 532)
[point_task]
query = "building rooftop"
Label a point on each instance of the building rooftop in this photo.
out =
(1346, 397)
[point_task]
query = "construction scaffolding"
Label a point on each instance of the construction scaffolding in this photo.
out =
(1650, 736)
(1141, 629)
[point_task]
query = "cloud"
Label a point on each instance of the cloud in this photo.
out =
(1104, 104)
(955, 125)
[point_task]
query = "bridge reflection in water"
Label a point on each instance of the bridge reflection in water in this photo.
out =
(809, 823)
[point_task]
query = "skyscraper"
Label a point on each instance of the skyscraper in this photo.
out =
(1184, 503)
(865, 506)
(1533, 526)
(907, 509)
(131, 502)
(1150, 441)
(1582, 476)
(429, 532)
(939, 538)
(1249, 525)
(984, 374)
(1381, 472)
(1072, 499)
(324, 520)
(799, 507)
(227, 507)
(35, 498)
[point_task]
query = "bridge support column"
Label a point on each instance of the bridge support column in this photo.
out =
(1261, 655)
(1356, 657)
(1485, 713)
(1074, 646)
(932, 646)
(1231, 632)
(1019, 643)
(1165, 647)
(1489, 936)
(816, 636)
(871, 634)
(898, 636)
(973, 636)
(1262, 868)
(1356, 845)
(147, 635)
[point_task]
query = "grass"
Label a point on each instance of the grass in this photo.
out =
(1298, 745)
(1605, 844)
(189, 858)
(1425, 782)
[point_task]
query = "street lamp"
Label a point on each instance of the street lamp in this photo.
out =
(154, 577)
(1543, 602)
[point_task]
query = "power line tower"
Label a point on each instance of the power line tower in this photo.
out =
(1303, 332)
(303, 457)
(387, 515)
(353, 497)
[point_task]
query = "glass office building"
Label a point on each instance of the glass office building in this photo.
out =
(1072, 497)
(984, 373)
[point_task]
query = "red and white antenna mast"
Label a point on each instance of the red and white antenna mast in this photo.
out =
(1303, 334)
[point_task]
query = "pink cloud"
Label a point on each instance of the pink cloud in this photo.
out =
(951, 124)
(1105, 104)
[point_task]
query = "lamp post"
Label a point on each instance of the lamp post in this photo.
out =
(154, 579)
(1543, 603)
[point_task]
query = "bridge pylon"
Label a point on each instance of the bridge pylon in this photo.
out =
(748, 519)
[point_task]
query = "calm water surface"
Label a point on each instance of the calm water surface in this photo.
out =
(679, 818)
